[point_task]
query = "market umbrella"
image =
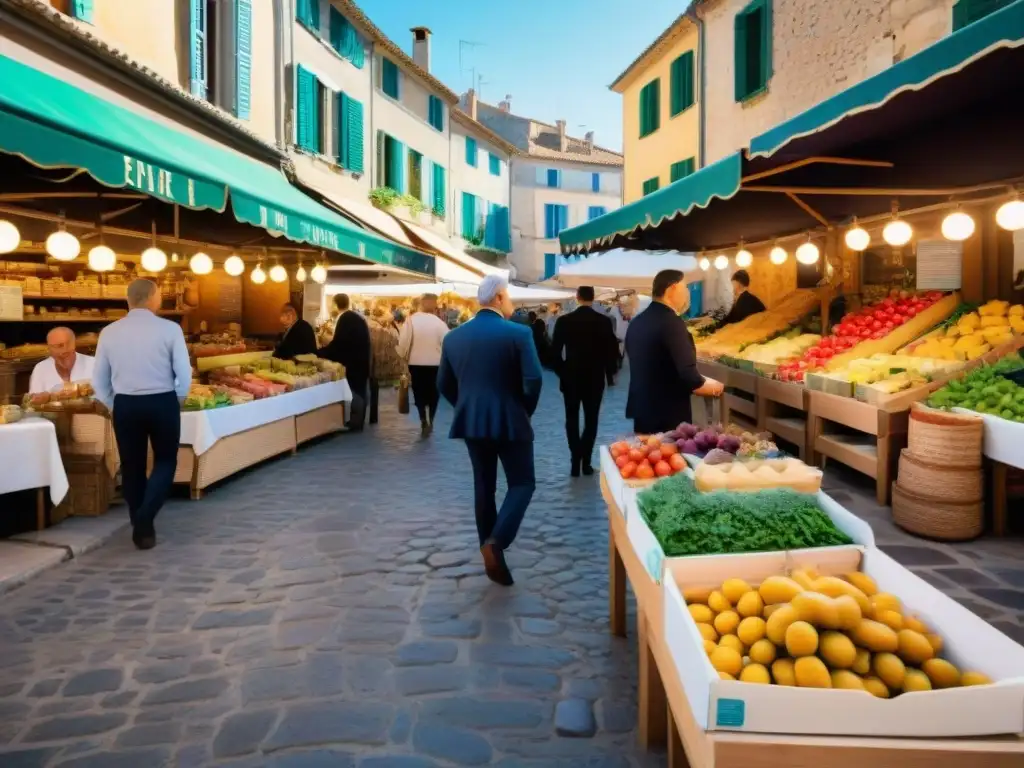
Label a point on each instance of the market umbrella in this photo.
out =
(625, 269)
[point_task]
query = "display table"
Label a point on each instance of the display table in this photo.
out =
(782, 410)
(30, 458)
(665, 713)
(1004, 447)
(219, 442)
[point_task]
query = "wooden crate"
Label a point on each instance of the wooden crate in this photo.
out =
(90, 488)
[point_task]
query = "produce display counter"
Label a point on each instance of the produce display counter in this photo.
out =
(1004, 447)
(782, 410)
(740, 397)
(220, 442)
(30, 459)
(666, 715)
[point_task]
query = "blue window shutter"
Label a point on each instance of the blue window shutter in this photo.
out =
(82, 10)
(563, 218)
(471, 151)
(553, 178)
(243, 58)
(550, 265)
(197, 48)
(468, 215)
(595, 182)
(549, 221)
(354, 134)
(389, 78)
(595, 211)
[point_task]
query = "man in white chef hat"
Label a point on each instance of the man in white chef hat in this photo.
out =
(64, 365)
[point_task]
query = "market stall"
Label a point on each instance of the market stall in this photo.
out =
(30, 459)
(625, 269)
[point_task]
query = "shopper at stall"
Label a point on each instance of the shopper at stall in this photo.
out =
(419, 344)
(351, 347)
(663, 360)
(584, 354)
(64, 365)
(490, 372)
(386, 365)
(744, 302)
(298, 338)
(142, 373)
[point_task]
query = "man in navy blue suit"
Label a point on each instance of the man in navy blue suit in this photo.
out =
(491, 373)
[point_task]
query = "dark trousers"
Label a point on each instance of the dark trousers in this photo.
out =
(357, 412)
(517, 461)
(141, 421)
(424, 390)
(374, 400)
(581, 447)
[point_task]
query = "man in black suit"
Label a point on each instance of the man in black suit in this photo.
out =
(298, 338)
(351, 347)
(591, 357)
(744, 302)
(663, 360)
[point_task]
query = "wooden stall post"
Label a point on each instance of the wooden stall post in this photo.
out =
(652, 712)
(616, 586)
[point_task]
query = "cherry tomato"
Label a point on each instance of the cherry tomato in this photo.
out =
(628, 470)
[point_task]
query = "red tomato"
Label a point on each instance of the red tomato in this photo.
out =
(653, 441)
(654, 457)
(827, 353)
(878, 335)
(662, 469)
(876, 325)
(677, 462)
(636, 455)
(669, 449)
(621, 461)
(628, 470)
(645, 471)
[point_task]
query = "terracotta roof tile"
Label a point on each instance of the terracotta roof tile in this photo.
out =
(464, 119)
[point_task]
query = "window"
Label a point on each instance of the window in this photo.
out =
(651, 185)
(550, 265)
(349, 130)
(595, 182)
(497, 233)
(438, 194)
(753, 51)
(969, 11)
(681, 85)
(650, 107)
(682, 169)
(345, 40)
(471, 151)
(556, 218)
(79, 9)
(415, 174)
(310, 112)
(436, 110)
(494, 163)
(391, 162)
(554, 178)
(389, 78)
(595, 211)
(220, 52)
(469, 213)
(307, 13)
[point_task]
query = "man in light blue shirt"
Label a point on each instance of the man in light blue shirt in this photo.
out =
(141, 374)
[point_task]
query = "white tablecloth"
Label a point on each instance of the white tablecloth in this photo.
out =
(201, 429)
(1004, 440)
(30, 458)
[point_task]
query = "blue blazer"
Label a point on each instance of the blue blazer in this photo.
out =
(491, 374)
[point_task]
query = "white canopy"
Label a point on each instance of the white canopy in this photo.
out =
(626, 269)
(518, 294)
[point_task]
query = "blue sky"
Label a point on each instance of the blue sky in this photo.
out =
(555, 57)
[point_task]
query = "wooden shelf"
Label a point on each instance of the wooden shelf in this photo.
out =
(791, 429)
(67, 319)
(42, 297)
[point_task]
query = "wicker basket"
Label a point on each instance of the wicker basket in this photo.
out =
(947, 439)
(934, 481)
(932, 519)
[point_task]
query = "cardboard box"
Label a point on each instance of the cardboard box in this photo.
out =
(970, 643)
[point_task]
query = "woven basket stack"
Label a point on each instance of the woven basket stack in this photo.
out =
(939, 492)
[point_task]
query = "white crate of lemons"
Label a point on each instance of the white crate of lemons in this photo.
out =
(975, 333)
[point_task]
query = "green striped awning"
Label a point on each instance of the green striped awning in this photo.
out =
(53, 124)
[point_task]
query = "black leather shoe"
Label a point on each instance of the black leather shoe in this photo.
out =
(144, 539)
(588, 470)
(575, 471)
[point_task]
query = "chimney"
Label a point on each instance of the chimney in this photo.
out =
(506, 105)
(563, 141)
(588, 139)
(469, 100)
(421, 47)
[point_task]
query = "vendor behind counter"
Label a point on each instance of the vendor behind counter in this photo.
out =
(64, 365)
(744, 303)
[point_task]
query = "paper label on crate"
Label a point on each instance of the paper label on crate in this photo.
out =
(731, 713)
(653, 562)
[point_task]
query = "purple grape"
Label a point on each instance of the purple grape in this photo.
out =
(690, 447)
(687, 430)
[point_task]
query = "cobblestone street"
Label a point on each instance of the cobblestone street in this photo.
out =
(329, 609)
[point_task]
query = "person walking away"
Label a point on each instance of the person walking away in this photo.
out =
(142, 373)
(64, 365)
(663, 360)
(386, 366)
(744, 302)
(351, 347)
(540, 338)
(591, 354)
(490, 373)
(298, 338)
(419, 344)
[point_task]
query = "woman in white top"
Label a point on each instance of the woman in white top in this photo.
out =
(419, 344)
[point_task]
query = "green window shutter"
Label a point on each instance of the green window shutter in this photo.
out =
(643, 112)
(243, 58)
(682, 169)
(740, 55)
(961, 15)
(197, 48)
(82, 10)
(389, 78)
(650, 108)
(468, 215)
(353, 123)
(307, 110)
(651, 185)
(438, 190)
(766, 42)
(682, 90)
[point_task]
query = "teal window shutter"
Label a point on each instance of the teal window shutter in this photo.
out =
(356, 51)
(436, 112)
(336, 27)
(682, 169)
(961, 14)
(197, 48)
(438, 190)
(651, 185)
(969, 11)
(396, 163)
(82, 10)
(308, 14)
(243, 58)
(595, 211)
(504, 230)
(681, 85)
(354, 135)
(468, 216)
(550, 265)
(341, 128)
(471, 151)
(389, 78)
(740, 56)
(495, 164)
(307, 110)
(549, 221)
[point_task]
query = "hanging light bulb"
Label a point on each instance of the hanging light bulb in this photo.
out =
(257, 275)
(10, 237)
(62, 245)
(808, 253)
(318, 274)
(721, 262)
(200, 264)
(1010, 216)
(234, 265)
(897, 232)
(153, 259)
(300, 274)
(705, 263)
(744, 258)
(174, 258)
(278, 273)
(102, 259)
(857, 238)
(778, 255)
(957, 226)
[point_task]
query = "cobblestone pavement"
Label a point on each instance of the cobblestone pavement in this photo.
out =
(329, 610)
